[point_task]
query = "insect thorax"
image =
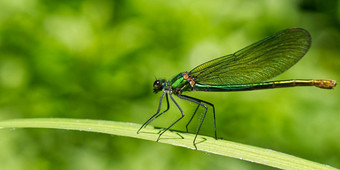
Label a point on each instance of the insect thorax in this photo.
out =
(182, 82)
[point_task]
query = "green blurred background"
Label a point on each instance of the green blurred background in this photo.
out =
(89, 59)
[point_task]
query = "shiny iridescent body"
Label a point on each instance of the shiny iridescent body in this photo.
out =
(244, 70)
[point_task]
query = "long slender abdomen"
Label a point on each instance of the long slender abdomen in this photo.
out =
(324, 84)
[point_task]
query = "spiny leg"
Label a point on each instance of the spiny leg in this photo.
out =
(167, 108)
(186, 126)
(191, 99)
(158, 110)
(208, 103)
(175, 121)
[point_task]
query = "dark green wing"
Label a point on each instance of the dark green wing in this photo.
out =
(260, 61)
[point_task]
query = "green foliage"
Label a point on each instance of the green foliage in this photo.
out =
(97, 60)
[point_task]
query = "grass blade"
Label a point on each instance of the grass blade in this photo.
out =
(207, 144)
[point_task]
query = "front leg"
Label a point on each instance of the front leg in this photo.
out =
(180, 109)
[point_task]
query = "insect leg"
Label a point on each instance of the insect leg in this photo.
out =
(186, 126)
(167, 108)
(158, 110)
(180, 109)
(194, 100)
(208, 103)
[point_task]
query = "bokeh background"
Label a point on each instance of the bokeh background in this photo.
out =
(89, 59)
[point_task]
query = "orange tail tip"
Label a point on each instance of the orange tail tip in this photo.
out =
(325, 84)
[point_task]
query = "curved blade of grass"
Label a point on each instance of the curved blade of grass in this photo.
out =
(208, 144)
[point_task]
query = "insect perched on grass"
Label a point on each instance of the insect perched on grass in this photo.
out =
(246, 69)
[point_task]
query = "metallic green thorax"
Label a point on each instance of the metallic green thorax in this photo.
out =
(179, 84)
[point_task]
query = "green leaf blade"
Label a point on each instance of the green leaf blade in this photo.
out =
(208, 144)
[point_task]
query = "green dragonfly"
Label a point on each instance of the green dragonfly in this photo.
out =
(246, 69)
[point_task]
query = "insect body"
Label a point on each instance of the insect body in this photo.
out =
(246, 69)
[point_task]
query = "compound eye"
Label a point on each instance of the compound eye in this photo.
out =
(157, 86)
(157, 83)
